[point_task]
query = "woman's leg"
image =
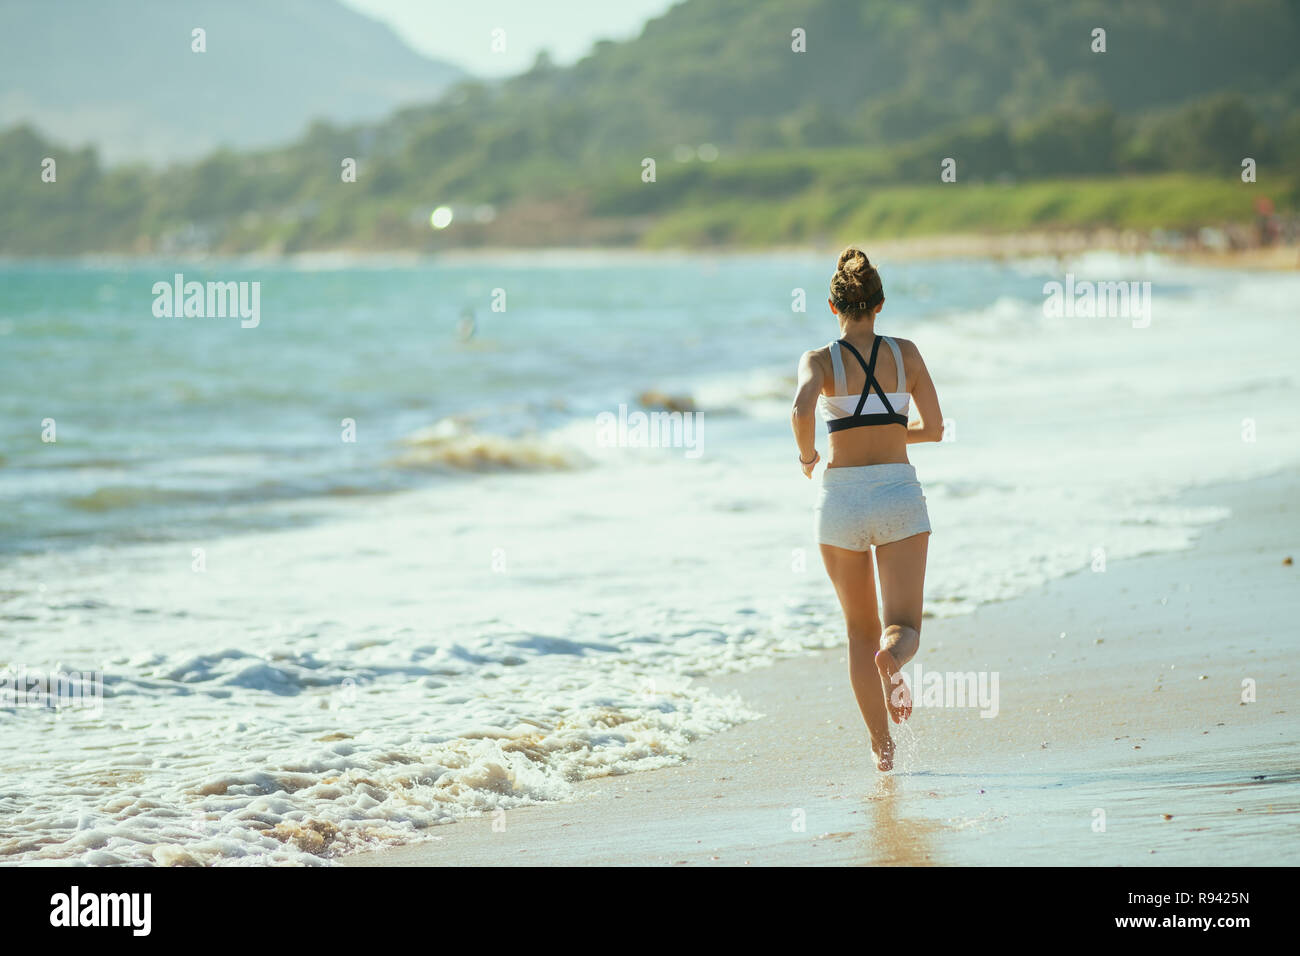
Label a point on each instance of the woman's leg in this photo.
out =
(902, 585)
(853, 575)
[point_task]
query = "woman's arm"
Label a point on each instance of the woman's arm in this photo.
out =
(926, 401)
(804, 417)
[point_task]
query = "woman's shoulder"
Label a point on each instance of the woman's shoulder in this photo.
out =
(909, 349)
(820, 355)
(912, 361)
(818, 361)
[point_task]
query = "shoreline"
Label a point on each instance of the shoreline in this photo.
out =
(1021, 245)
(1179, 773)
(350, 670)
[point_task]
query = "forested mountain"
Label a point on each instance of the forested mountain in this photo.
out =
(753, 141)
(875, 71)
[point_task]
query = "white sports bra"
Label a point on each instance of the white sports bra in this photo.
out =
(841, 411)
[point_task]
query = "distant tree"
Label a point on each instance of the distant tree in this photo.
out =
(1067, 142)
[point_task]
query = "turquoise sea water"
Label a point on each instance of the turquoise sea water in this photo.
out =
(163, 423)
(308, 645)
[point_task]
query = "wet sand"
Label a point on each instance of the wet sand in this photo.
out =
(1120, 738)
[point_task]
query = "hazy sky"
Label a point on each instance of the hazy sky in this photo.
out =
(460, 31)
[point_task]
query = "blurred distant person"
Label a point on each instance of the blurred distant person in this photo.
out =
(466, 327)
(1267, 227)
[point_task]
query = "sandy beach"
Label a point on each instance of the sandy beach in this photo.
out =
(1120, 738)
(490, 603)
(1028, 244)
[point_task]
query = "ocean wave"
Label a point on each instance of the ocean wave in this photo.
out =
(338, 789)
(76, 464)
(114, 497)
(755, 393)
(453, 445)
(662, 401)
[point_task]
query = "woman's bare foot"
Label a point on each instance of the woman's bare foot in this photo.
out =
(898, 698)
(884, 754)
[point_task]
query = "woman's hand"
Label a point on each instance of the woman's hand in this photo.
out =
(808, 466)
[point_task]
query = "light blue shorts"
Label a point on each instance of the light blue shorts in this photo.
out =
(869, 505)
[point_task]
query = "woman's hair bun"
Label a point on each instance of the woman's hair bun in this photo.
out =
(855, 282)
(853, 261)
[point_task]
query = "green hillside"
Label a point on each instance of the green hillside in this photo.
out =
(846, 136)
